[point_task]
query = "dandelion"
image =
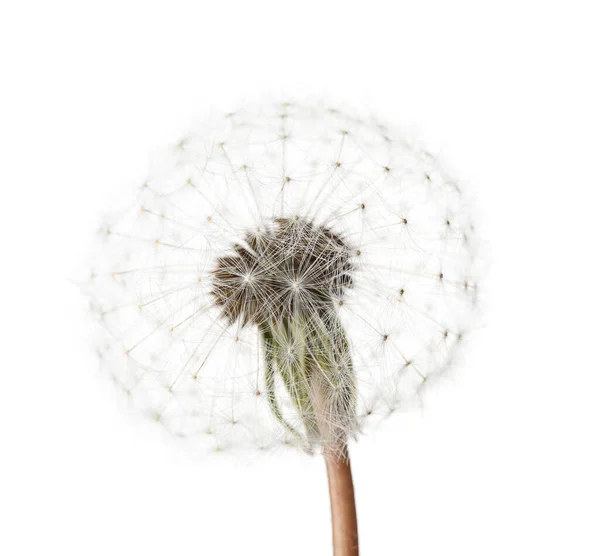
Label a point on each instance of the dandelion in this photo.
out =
(288, 275)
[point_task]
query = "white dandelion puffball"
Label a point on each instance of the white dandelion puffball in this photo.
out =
(288, 274)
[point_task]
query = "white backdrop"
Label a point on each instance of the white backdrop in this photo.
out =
(504, 457)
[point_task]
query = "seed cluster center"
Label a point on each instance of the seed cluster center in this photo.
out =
(292, 267)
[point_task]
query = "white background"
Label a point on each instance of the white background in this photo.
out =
(504, 458)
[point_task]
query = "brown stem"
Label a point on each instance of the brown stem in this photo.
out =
(343, 508)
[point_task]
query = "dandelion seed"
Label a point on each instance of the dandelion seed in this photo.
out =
(271, 312)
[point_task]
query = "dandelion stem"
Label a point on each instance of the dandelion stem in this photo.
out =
(343, 507)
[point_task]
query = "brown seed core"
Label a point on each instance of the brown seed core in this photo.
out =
(292, 266)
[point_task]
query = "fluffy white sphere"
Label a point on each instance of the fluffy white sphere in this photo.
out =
(404, 222)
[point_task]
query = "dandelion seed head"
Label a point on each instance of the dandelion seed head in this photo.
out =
(287, 275)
